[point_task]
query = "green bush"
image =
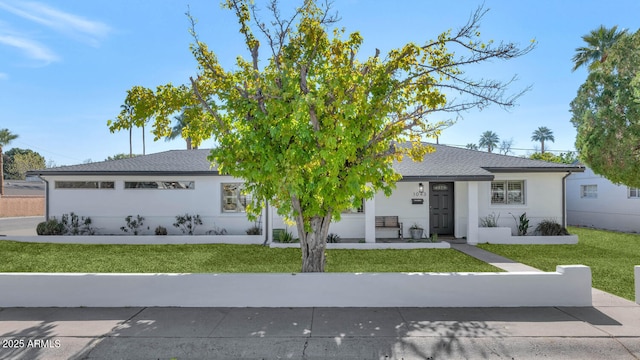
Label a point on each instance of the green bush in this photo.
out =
(77, 225)
(161, 230)
(550, 228)
(50, 227)
(490, 220)
(254, 230)
(133, 224)
(285, 237)
(187, 223)
(523, 224)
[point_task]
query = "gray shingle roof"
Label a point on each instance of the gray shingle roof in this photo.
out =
(168, 162)
(446, 163)
(451, 163)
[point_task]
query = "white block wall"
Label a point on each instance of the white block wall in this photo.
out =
(568, 286)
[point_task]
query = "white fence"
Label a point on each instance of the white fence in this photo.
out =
(568, 286)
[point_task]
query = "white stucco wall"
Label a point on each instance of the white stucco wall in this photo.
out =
(109, 207)
(399, 204)
(612, 209)
(543, 199)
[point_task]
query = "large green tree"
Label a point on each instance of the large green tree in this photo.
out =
(598, 42)
(489, 140)
(563, 158)
(6, 137)
(606, 114)
(542, 134)
(315, 127)
(23, 162)
(19, 161)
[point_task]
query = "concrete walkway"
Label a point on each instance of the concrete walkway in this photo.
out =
(610, 329)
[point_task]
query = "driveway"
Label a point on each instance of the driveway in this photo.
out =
(25, 226)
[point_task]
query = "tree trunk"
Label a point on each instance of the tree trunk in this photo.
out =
(144, 152)
(542, 146)
(188, 140)
(130, 142)
(313, 243)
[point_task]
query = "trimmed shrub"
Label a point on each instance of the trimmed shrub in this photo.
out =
(161, 230)
(550, 228)
(50, 227)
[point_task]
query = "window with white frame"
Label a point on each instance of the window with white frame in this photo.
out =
(589, 191)
(507, 192)
(233, 198)
(634, 193)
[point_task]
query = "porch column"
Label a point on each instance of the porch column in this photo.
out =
(472, 220)
(370, 220)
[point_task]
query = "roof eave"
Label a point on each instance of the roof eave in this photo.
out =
(541, 169)
(447, 178)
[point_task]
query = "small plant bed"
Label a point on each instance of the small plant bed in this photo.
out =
(611, 256)
(220, 258)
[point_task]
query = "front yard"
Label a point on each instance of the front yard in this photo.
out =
(221, 258)
(611, 256)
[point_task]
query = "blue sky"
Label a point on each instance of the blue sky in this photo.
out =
(65, 66)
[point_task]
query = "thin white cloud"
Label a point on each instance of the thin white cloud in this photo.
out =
(67, 23)
(4, 76)
(31, 48)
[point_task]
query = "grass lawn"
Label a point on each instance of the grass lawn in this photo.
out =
(220, 258)
(611, 256)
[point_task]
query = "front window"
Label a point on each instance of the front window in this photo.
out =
(634, 193)
(233, 199)
(507, 192)
(589, 191)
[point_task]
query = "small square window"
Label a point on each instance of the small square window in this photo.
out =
(634, 193)
(589, 191)
(233, 198)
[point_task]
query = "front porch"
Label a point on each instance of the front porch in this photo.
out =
(447, 208)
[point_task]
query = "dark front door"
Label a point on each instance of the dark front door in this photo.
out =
(441, 208)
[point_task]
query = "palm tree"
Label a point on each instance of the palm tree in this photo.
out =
(6, 137)
(472, 146)
(176, 131)
(542, 134)
(489, 140)
(599, 41)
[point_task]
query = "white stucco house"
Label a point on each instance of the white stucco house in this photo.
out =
(447, 193)
(594, 201)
